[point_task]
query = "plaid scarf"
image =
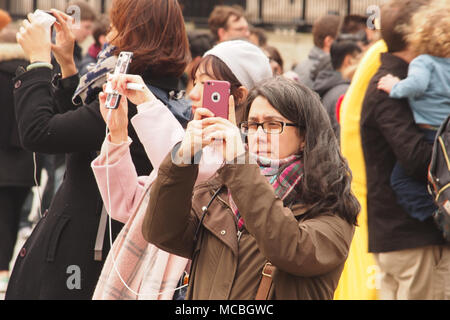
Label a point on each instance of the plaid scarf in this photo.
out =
(283, 175)
(92, 82)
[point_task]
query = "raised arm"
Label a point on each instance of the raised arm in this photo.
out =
(40, 127)
(160, 131)
(157, 129)
(168, 132)
(119, 185)
(42, 130)
(169, 222)
(415, 85)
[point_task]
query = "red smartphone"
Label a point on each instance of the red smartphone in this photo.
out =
(215, 97)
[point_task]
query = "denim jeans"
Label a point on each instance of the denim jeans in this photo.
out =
(413, 195)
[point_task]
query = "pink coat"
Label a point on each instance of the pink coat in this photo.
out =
(135, 269)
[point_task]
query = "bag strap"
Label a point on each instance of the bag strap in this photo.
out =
(101, 231)
(266, 282)
(436, 145)
(100, 235)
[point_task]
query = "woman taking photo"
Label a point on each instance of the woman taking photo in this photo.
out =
(289, 206)
(125, 194)
(65, 253)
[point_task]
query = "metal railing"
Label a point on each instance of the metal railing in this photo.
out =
(280, 12)
(259, 12)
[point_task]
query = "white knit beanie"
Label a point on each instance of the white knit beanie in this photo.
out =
(247, 62)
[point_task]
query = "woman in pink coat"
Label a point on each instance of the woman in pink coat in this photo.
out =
(134, 268)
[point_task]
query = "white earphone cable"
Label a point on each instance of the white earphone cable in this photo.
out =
(110, 228)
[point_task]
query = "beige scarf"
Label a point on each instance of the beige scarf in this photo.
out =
(146, 272)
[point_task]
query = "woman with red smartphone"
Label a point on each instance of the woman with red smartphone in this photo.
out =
(116, 176)
(277, 219)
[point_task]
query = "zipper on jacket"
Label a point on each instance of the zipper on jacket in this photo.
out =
(204, 212)
(239, 234)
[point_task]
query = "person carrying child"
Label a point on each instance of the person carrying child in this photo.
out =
(427, 88)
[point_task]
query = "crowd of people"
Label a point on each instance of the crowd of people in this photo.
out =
(162, 199)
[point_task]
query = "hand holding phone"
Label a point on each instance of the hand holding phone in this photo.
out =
(216, 95)
(45, 19)
(34, 36)
(122, 66)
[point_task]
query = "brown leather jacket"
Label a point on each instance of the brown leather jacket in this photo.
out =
(308, 253)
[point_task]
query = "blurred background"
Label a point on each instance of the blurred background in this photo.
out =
(287, 23)
(287, 27)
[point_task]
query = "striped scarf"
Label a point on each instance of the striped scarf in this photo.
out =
(283, 182)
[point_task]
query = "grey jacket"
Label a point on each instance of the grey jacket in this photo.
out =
(330, 86)
(305, 68)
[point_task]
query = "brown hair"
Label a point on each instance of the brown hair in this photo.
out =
(87, 13)
(353, 23)
(260, 34)
(274, 55)
(219, 18)
(326, 26)
(428, 37)
(394, 14)
(155, 32)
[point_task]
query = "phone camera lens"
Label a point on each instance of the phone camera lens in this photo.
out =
(215, 97)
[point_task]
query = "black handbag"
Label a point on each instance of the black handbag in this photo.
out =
(439, 178)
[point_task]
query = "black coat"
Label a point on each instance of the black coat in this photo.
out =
(64, 240)
(16, 164)
(389, 134)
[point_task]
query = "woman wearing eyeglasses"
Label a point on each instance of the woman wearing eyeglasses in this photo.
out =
(277, 219)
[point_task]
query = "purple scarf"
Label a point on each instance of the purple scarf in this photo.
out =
(283, 183)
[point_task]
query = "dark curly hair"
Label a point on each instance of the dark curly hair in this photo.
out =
(326, 184)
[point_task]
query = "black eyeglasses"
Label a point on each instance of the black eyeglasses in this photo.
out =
(269, 127)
